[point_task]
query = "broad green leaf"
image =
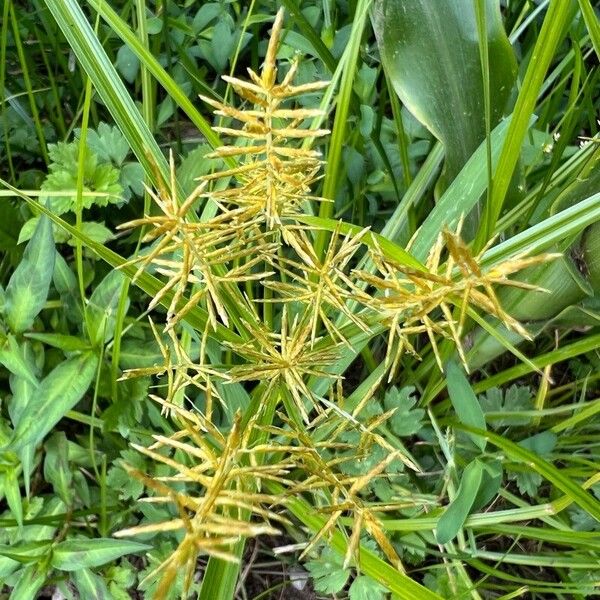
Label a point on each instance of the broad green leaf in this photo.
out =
(13, 358)
(430, 51)
(28, 286)
(327, 572)
(366, 588)
(57, 393)
(89, 585)
(407, 419)
(23, 390)
(67, 343)
(29, 584)
(72, 555)
(491, 480)
(464, 400)
(454, 516)
(26, 552)
(56, 466)
(196, 317)
(12, 492)
(127, 63)
(102, 307)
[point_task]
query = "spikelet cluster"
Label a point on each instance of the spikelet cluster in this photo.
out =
(435, 300)
(252, 268)
(274, 178)
(224, 468)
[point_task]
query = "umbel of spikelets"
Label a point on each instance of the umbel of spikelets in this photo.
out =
(215, 483)
(322, 455)
(273, 176)
(436, 299)
(198, 259)
(284, 360)
(322, 285)
(177, 373)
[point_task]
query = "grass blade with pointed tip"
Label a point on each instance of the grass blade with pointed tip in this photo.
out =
(454, 517)
(552, 31)
(151, 63)
(464, 401)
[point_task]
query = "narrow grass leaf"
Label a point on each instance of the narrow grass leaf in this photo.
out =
(592, 24)
(153, 65)
(340, 124)
(553, 29)
(94, 60)
(371, 240)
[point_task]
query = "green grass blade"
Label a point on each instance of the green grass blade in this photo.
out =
(371, 240)
(340, 124)
(151, 63)
(462, 194)
(554, 26)
(94, 60)
(592, 24)
(561, 227)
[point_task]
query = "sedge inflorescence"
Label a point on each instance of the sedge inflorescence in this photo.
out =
(251, 267)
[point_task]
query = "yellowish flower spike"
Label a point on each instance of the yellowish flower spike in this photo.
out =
(411, 301)
(274, 178)
(340, 494)
(196, 257)
(215, 491)
(181, 372)
(285, 358)
(321, 284)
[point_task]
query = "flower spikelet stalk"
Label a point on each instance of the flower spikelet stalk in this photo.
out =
(181, 372)
(328, 476)
(274, 178)
(284, 359)
(322, 285)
